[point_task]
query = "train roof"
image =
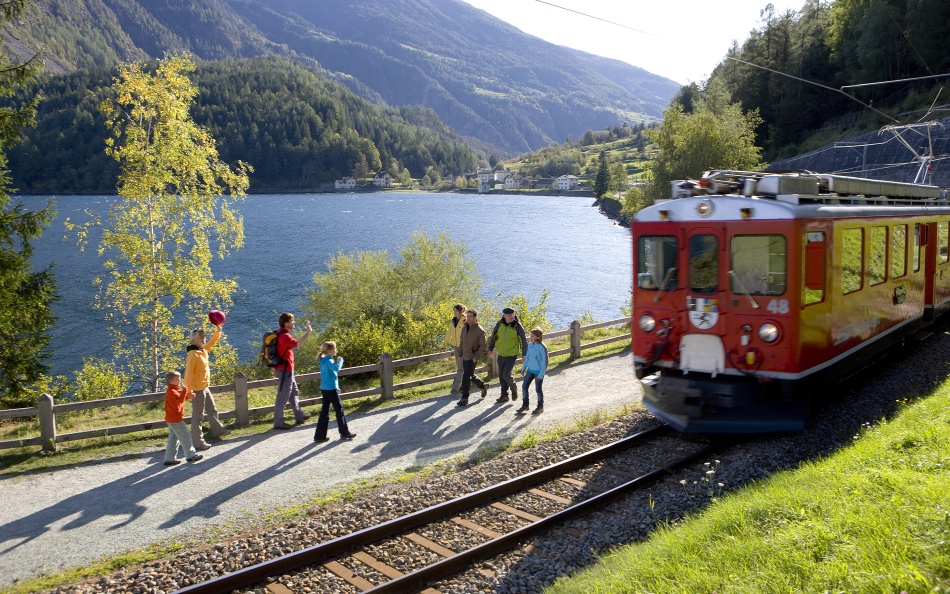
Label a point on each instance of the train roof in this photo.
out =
(734, 195)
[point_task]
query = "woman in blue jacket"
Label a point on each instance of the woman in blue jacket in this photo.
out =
(330, 366)
(535, 364)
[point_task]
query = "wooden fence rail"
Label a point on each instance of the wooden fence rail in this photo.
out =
(46, 409)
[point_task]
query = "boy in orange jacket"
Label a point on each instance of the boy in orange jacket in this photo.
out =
(175, 396)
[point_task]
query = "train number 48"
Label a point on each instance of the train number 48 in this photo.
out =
(778, 306)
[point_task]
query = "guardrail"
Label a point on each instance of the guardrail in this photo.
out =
(46, 410)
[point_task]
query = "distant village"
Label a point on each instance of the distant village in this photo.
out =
(486, 179)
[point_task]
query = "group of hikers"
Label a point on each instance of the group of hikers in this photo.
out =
(466, 337)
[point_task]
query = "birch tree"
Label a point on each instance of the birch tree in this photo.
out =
(174, 216)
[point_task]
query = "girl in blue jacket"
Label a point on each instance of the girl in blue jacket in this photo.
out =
(535, 364)
(330, 366)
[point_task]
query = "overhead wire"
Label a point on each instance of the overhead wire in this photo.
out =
(590, 16)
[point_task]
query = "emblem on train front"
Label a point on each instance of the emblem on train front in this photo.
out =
(703, 312)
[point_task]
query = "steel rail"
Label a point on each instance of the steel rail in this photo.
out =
(335, 548)
(461, 561)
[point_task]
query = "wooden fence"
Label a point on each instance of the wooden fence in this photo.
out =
(46, 410)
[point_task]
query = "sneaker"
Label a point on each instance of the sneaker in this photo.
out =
(321, 439)
(172, 462)
(538, 410)
(203, 447)
(521, 410)
(302, 420)
(194, 458)
(282, 427)
(348, 436)
(484, 390)
(462, 402)
(504, 398)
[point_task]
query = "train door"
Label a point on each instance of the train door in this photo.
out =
(701, 347)
(929, 250)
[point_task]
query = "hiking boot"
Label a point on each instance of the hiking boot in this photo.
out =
(462, 402)
(302, 419)
(321, 439)
(538, 410)
(503, 398)
(350, 435)
(172, 462)
(203, 447)
(484, 390)
(282, 427)
(194, 458)
(521, 410)
(514, 397)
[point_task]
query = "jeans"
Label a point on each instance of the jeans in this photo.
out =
(331, 397)
(528, 376)
(469, 377)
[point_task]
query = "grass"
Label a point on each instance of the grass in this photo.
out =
(111, 448)
(873, 517)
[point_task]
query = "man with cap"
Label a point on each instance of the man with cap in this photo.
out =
(509, 339)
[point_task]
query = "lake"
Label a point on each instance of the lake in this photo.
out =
(519, 243)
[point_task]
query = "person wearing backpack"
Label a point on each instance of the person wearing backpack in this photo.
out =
(197, 379)
(287, 388)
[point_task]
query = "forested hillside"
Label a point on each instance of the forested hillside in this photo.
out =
(483, 77)
(834, 44)
(298, 130)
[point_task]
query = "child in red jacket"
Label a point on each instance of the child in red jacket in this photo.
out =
(175, 396)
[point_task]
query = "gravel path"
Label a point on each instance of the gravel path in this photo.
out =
(76, 515)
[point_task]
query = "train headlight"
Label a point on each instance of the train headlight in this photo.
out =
(705, 208)
(768, 332)
(647, 323)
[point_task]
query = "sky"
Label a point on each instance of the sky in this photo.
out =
(680, 39)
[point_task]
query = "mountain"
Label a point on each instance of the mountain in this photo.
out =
(483, 77)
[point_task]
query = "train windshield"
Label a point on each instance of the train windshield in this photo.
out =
(758, 265)
(703, 264)
(656, 262)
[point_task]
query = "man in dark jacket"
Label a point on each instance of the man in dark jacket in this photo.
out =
(473, 347)
(509, 339)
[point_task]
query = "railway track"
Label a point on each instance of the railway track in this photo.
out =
(445, 539)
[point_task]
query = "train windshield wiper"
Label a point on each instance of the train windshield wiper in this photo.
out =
(744, 292)
(666, 281)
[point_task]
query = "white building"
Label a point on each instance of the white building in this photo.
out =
(347, 183)
(383, 180)
(515, 182)
(502, 175)
(485, 175)
(567, 182)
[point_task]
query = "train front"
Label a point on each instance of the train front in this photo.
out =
(714, 319)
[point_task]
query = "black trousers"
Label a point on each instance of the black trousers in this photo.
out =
(469, 377)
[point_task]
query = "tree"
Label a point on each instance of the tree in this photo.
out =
(373, 303)
(602, 180)
(717, 135)
(618, 178)
(174, 216)
(26, 295)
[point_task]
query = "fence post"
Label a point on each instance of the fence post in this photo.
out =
(575, 339)
(47, 422)
(386, 375)
(241, 416)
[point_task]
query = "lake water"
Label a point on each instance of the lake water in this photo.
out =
(520, 244)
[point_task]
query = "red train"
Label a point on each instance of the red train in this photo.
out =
(756, 292)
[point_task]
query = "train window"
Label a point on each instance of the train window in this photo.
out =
(877, 256)
(852, 260)
(915, 248)
(943, 241)
(656, 262)
(758, 264)
(813, 290)
(703, 264)
(898, 251)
